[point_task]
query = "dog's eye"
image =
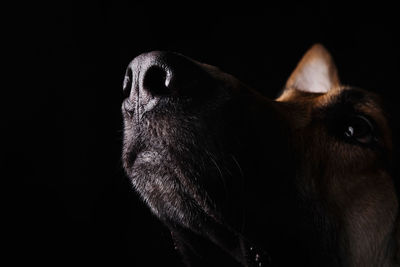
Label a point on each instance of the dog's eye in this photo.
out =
(359, 128)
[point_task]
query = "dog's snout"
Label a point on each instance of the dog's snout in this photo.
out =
(128, 83)
(155, 75)
(147, 77)
(155, 80)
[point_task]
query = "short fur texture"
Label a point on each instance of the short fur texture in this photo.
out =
(242, 180)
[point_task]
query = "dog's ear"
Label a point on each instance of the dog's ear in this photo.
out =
(315, 73)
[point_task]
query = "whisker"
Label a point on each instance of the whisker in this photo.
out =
(220, 173)
(238, 165)
(243, 207)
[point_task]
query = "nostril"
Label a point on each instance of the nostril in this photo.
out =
(127, 85)
(155, 81)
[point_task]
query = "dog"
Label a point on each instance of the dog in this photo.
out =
(242, 180)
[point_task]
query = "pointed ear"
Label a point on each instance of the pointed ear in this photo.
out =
(315, 73)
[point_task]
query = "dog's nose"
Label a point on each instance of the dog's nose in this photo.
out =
(146, 77)
(154, 75)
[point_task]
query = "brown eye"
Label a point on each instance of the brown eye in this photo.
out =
(359, 128)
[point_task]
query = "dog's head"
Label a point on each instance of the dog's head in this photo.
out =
(306, 175)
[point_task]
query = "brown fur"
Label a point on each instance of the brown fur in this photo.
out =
(353, 185)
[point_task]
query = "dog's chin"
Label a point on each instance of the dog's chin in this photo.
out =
(165, 187)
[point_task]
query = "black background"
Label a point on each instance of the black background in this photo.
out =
(69, 201)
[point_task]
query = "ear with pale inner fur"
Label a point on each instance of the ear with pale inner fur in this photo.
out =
(315, 73)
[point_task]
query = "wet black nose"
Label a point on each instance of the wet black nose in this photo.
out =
(154, 75)
(147, 74)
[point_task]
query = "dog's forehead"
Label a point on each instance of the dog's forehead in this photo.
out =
(361, 100)
(338, 101)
